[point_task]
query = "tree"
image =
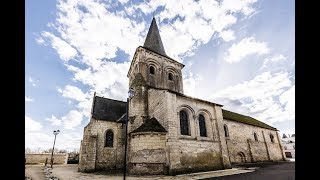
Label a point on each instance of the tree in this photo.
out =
(61, 151)
(284, 136)
(27, 150)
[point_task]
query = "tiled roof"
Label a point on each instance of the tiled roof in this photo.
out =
(244, 119)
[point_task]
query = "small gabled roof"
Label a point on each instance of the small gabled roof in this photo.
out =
(150, 125)
(245, 119)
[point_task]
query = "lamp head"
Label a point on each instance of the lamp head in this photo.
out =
(55, 132)
(131, 93)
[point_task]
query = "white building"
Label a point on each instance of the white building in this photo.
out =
(288, 144)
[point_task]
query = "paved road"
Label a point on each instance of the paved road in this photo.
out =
(265, 171)
(70, 172)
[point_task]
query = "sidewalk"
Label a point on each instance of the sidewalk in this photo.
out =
(69, 172)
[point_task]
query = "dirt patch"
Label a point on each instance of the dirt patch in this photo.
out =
(35, 172)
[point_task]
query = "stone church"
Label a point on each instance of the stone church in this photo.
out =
(169, 132)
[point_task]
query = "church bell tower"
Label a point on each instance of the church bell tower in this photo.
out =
(154, 65)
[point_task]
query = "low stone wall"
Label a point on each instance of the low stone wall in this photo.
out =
(41, 158)
(147, 155)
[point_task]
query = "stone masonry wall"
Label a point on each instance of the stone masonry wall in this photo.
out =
(144, 58)
(241, 140)
(147, 153)
(157, 106)
(94, 155)
(87, 156)
(192, 153)
(109, 157)
(41, 158)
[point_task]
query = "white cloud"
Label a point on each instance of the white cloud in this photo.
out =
(28, 99)
(73, 92)
(93, 33)
(273, 59)
(123, 1)
(38, 140)
(40, 40)
(68, 141)
(97, 33)
(267, 97)
(65, 140)
(69, 121)
(104, 78)
(31, 125)
(288, 99)
(239, 5)
(65, 51)
(227, 35)
(190, 83)
(276, 58)
(247, 46)
(54, 121)
(32, 81)
(72, 119)
(87, 29)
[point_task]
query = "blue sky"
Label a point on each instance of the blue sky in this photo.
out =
(239, 53)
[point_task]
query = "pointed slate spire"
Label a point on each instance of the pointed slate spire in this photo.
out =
(153, 40)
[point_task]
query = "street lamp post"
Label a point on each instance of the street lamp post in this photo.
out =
(130, 94)
(55, 132)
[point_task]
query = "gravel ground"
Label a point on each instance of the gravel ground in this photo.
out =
(35, 172)
(39, 172)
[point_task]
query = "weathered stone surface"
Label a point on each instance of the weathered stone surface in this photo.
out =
(40, 158)
(241, 140)
(93, 153)
(160, 97)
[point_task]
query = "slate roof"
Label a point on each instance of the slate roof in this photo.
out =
(108, 109)
(245, 119)
(153, 40)
(150, 125)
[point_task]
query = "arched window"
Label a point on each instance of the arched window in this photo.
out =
(170, 76)
(255, 136)
(202, 126)
(184, 124)
(152, 70)
(109, 139)
(226, 132)
(271, 138)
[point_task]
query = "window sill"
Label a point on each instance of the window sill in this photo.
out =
(204, 138)
(187, 137)
(109, 147)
